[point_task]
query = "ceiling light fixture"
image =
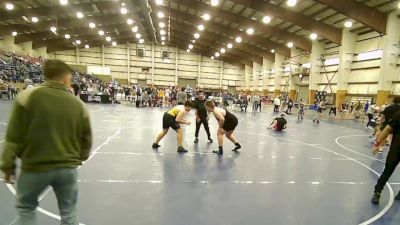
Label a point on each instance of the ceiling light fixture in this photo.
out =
(163, 43)
(193, 41)
(87, 46)
(206, 16)
(162, 32)
(101, 33)
(250, 31)
(14, 33)
(114, 43)
(214, 2)
(196, 35)
(159, 2)
(78, 42)
(188, 50)
(313, 36)
(129, 21)
(398, 5)
(138, 35)
(291, 3)
(212, 57)
(53, 29)
(123, 11)
(266, 19)
(238, 39)
(135, 29)
(160, 15)
(200, 27)
(161, 24)
(163, 38)
(108, 39)
(67, 36)
(272, 50)
(141, 41)
(34, 19)
(222, 50)
(92, 25)
(63, 2)
(229, 45)
(190, 46)
(348, 24)
(9, 6)
(217, 54)
(79, 15)
(290, 45)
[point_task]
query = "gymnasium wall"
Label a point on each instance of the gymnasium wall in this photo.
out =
(365, 66)
(153, 68)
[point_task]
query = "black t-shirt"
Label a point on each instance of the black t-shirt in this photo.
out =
(394, 122)
(281, 122)
(389, 112)
(200, 106)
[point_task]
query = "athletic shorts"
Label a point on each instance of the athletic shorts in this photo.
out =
(230, 122)
(170, 121)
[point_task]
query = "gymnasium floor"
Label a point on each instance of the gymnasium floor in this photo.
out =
(308, 175)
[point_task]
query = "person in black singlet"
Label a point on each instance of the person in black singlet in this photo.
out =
(227, 124)
(201, 117)
(172, 119)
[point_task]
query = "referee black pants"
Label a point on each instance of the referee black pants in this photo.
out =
(392, 161)
(203, 120)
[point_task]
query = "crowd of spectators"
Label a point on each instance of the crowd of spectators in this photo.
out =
(17, 69)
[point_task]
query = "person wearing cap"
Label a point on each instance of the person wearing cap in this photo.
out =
(49, 130)
(279, 123)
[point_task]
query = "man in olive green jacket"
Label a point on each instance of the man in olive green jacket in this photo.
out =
(49, 130)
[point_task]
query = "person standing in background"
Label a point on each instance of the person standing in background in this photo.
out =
(49, 130)
(366, 106)
(181, 96)
(256, 102)
(277, 104)
(370, 113)
(290, 106)
(201, 116)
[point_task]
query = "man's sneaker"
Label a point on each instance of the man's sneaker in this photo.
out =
(155, 146)
(182, 150)
(397, 198)
(375, 198)
(196, 140)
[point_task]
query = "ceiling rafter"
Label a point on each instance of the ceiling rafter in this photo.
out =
(207, 43)
(205, 51)
(62, 24)
(370, 17)
(284, 35)
(214, 37)
(329, 32)
(56, 10)
(230, 32)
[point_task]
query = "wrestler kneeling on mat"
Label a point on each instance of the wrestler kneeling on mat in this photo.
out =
(227, 124)
(279, 123)
(173, 118)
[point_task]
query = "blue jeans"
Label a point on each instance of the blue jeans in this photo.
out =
(31, 185)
